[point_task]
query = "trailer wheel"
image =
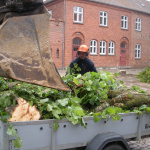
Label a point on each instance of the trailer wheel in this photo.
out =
(108, 141)
(113, 147)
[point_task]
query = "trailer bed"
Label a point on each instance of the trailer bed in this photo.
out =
(40, 135)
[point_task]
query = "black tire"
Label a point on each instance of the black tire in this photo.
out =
(114, 147)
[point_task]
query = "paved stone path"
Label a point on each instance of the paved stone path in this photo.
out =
(143, 144)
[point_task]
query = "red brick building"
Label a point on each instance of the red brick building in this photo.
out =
(117, 32)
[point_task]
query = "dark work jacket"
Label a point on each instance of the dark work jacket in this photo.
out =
(86, 65)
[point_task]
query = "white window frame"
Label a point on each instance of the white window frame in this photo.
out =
(137, 51)
(93, 47)
(103, 18)
(78, 11)
(50, 12)
(124, 22)
(138, 24)
(102, 48)
(111, 48)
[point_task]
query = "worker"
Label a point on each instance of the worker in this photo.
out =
(82, 61)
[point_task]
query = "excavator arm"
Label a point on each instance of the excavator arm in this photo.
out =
(25, 53)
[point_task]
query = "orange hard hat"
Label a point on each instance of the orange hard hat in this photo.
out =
(83, 48)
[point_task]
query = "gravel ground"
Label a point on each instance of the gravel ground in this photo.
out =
(143, 144)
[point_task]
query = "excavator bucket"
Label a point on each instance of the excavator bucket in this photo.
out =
(25, 53)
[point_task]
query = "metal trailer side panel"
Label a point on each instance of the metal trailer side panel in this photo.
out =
(34, 136)
(39, 135)
(4, 138)
(69, 134)
(145, 129)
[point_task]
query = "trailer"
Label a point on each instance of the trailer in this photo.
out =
(103, 135)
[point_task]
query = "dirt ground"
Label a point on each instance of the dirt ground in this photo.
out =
(130, 80)
(128, 76)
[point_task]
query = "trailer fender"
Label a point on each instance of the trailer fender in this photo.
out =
(110, 138)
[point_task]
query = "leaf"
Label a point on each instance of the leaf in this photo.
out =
(137, 112)
(63, 102)
(78, 111)
(56, 113)
(11, 131)
(44, 100)
(90, 82)
(102, 84)
(56, 126)
(108, 73)
(76, 100)
(110, 111)
(83, 123)
(79, 76)
(121, 82)
(73, 119)
(75, 65)
(49, 107)
(143, 107)
(148, 110)
(75, 80)
(4, 118)
(18, 142)
(97, 117)
(116, 74)
(116, 117)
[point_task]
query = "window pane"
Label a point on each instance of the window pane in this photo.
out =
(105, 21)
(138, 46)
(75, 8)
(101, 20)
(80, 9)
(75, 17)
(123, 45)
(77, 42)
(80, 17)
(125, 25)
(122, 24)
(90, 49)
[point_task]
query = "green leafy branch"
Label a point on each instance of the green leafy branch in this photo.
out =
(13, 133)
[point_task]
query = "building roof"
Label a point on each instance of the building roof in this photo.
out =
(136, 5)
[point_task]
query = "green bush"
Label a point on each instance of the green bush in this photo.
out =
(144, 76)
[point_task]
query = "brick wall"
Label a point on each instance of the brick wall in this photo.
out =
(56, 32)
(142, 38)
(91, 30)
(56, 42)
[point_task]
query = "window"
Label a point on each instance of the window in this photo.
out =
(57, 53)
(76, 41)
(50, 12)
(123, 45)
(138, 24)
(111, 48)
(103, 18)
(124, 22)
(93, 47)
(102, 47)
(137, 51)
(78, 15)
